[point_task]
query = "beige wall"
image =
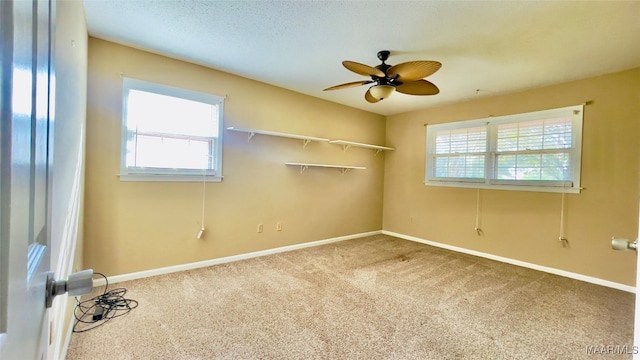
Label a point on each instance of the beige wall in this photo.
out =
(525, 225)
(135, 226)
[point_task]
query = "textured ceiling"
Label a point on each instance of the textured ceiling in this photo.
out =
(486, 48)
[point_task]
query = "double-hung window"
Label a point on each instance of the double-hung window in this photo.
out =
(170, 134)
(538, 151)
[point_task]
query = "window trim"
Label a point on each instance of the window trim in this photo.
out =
(489, 182)
(167, 174)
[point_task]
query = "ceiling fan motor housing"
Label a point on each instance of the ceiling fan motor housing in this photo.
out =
(383, 55)
(386, 85)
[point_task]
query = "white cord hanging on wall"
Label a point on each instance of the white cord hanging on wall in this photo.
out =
(204, 188)
(561, 238)
(477, 227)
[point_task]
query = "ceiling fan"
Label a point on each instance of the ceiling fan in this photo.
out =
(406, 78)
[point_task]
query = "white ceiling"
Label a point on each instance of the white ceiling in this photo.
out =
(486, 47)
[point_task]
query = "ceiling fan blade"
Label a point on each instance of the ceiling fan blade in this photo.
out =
(418, 87)
(362, 69)
(369, 97)
(413, 70)
(348, 85)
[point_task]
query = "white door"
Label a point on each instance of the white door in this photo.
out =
(27, 79)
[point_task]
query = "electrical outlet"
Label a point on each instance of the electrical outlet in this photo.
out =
(259, 228)
(278, 226)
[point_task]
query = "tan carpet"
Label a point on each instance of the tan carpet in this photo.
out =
(371, 298)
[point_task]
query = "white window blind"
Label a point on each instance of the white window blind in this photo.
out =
(532, 151)
(460, 153)
(170, 132)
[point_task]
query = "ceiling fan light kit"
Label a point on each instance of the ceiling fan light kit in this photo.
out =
(381, 91)
(406, 78)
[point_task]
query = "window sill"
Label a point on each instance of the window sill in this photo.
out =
(537, 188)
(169, 178)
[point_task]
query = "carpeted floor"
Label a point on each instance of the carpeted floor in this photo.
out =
(371, 298)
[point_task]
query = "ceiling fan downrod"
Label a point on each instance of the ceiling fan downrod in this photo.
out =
(383, 55)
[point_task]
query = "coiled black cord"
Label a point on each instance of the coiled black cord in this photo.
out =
(101, 309)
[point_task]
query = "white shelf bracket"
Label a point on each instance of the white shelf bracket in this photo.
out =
(305, 142)
(345, 147)
(303, 168)
(377, 152)
(250, 135)
(344, 170)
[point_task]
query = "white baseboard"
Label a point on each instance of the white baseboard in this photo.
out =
(546, 269)
(227, 259)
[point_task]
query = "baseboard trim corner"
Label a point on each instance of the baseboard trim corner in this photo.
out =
(546, 269)
(226, 259)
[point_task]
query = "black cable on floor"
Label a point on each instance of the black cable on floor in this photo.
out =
(101, 309)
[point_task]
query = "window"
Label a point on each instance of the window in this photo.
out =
(170, 134)
(538, 151)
